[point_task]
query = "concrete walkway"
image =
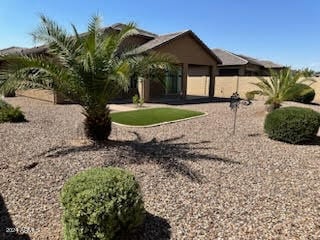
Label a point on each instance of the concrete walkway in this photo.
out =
(132, 107)
(121, 107)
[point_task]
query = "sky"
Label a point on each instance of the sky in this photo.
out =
(284, 31)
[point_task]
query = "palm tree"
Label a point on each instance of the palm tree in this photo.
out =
(281, 86)
(89, 68)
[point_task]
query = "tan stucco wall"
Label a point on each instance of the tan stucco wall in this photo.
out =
(316, 87)
(198, 86)
(44, 95)
(187, 50)
(198, 81)
(225, 86)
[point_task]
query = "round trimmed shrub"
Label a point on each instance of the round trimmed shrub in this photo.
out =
(292, 124)
(306, 95)
(101, 203)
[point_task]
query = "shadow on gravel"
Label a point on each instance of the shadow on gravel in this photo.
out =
(8, 230)
(154, 227)
(168, 154)
(315, 141)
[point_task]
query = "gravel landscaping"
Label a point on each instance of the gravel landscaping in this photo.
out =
(198, 180)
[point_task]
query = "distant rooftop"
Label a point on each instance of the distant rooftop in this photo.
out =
(12, 50)
(232, 59)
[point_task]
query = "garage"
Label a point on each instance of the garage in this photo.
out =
(198, 81)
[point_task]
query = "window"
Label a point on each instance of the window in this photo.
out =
(173, 81)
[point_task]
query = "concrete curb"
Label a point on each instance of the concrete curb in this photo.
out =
(159, 124)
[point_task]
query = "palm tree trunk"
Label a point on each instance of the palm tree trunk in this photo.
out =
(273, 106)
(97, 124)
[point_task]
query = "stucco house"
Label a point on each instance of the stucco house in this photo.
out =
(241, 65)
(197, 64)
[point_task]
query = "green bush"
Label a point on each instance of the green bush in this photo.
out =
(292, 124)
(137, 101)
(9, 113)
(250, 96)
(101, 203)
(306, 95)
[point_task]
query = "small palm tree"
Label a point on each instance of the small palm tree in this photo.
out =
(90, 69)
(281, 86)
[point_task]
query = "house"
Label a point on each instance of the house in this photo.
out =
(196, 64)
(241, 65)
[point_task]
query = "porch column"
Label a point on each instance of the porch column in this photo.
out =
(144, 88)
(185, 80)
(212, 81)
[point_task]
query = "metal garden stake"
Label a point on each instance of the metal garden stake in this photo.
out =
(234, 104)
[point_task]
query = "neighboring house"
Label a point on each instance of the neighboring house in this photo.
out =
(241, 65)
(197, 64)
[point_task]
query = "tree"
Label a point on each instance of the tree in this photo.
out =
(281, 86)
(89, 68)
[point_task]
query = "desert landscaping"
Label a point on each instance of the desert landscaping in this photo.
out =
(198, 181)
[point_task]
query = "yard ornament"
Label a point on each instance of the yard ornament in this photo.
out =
(235, 101)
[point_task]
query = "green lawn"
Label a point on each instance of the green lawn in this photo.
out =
(151, 116)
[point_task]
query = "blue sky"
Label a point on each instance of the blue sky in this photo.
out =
(284, 31)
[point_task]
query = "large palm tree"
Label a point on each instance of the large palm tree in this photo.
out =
(89, 68)
(281, 86)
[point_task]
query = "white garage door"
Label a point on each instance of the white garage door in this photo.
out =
(198, 82)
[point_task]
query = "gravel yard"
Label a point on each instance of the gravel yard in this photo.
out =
(198, 181)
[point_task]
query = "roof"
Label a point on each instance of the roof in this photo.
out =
(120, 26)
(229, 58)
(158, 41)
(263, 63)
(269, 64)
(36, 50)
(12, 50)
(232, 59)
(164, 39)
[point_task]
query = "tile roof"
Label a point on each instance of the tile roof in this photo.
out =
(269, 64)
(36, 50)
(12, 50)
(163, 39)
(120, 26)
(263, 63)
(158, 41)
(229, 58)
(232, 59)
